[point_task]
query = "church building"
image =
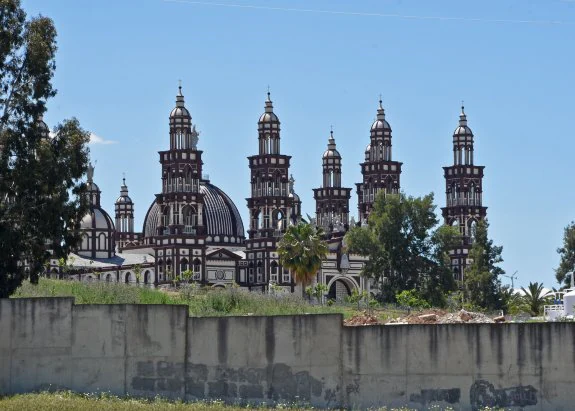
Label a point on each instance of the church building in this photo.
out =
(192, 229)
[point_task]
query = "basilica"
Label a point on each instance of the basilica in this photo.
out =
(194, 229)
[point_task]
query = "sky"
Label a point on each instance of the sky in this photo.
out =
(326, 63)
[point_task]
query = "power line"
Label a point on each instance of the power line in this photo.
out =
(365, 14)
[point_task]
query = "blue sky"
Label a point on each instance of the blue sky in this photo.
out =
(326, 62)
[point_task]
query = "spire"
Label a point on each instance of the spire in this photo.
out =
(269, 105)
(180, 96)
(380, 110)
(331, 141)
(462, 116)
(124, 187)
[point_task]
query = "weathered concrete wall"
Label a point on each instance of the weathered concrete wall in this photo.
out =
(158, 350)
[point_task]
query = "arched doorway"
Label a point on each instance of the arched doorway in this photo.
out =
(146, 277)
(339, 290)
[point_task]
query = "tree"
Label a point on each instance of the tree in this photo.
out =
(42, 198)
(482, 287)
(535, 298)
(301, 250)
(567, 253)
(405, 251)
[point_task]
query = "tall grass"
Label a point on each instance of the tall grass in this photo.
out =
(201, 302)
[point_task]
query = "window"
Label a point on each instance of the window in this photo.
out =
(286, 278)
(251, 274)
(274, 272)
(197, 269)
(260, 272)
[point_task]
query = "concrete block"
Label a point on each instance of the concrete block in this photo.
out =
(156, 330)
(37, 369)
(98, 375)
(4, 373)
(6, 319)
(41, 322)
(436, 349)
(99, 331)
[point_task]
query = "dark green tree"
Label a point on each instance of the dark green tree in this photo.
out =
(567, 253)
(301, 250)
(405, 250)
(41, 193)
(482, 286)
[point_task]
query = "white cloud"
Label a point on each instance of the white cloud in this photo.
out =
(94, 139)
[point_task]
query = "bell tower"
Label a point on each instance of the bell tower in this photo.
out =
(271, 204)
(124, 208)
(181, 233)
(380, 172)
(464, 194)
(331, 199)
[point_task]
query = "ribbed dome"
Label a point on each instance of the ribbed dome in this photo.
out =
(97, 218)
(124, 197)
(220, 217)
(180, 112)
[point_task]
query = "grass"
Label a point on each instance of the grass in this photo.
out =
(201, 302)
(64, 401)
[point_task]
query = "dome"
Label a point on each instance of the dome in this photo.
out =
(97, 218)
(268, 118)
(91, 186)
(123, 199)
(331, 153)
(180, 112)
(380, 125)
(220, 217)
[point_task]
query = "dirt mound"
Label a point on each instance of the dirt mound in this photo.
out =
(362, 318)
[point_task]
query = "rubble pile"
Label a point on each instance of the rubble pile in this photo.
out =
(433, 316)
(363, 318)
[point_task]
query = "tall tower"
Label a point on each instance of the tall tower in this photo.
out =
(331, 199)
(271, 204)
(180, 235)
(379, 171)
(464, 190)
(124, 208)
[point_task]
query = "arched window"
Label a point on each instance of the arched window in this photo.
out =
(190, 219)
(197, 269)
(278, 220)
(147, 277)
(183, 265)
(169, 273)
(260, 272)
(274, 271)
(127, 277)
(102, 242)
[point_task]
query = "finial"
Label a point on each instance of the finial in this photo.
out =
(380, 101)
(124, 178)
(269, 94)
(462, 107)
(180, 87)
(331, 131)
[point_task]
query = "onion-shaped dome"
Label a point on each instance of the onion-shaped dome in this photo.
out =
(220, 217)
(331, 151)
(462, 129)
(380, 123)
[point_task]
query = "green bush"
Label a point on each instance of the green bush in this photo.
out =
(411, 298)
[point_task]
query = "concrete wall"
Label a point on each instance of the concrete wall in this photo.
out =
(158, 350)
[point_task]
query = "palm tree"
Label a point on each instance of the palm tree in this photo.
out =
(301, 250)
(535, 298)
